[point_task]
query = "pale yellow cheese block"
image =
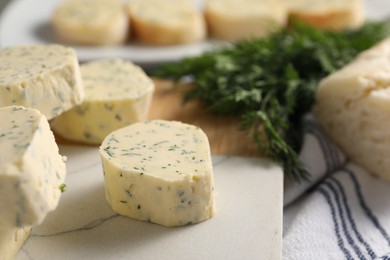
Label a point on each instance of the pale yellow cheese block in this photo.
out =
(117, 93)
(241, 19)
(91, 22)
(161, 22)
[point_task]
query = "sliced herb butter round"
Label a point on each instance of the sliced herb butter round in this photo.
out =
(45, 77)
(91, 22)
(159, 171)
(117, 93)
(234, 20)
(329, 14)
(31, 169)
(161, 22)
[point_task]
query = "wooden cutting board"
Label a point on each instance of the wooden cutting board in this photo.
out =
(223, 132)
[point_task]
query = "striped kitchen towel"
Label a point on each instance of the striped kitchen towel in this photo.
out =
(343, 213)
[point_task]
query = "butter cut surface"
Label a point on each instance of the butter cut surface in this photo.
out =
(11, 240)
(159, 171)
(31, 168)
(242, 19)
(45, 77)
(161, 22)
(353, 106)
(117, 93)
(91, 22)
(328, 14)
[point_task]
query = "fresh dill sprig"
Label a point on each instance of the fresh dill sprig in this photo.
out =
(271, 82)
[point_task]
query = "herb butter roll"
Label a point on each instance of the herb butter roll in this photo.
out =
(241, 19)
(159, 171)
(328, 14)
(117, 93)
(45, 77)
(91, 22)
(161, 22)
(353, 106)
(31, 169)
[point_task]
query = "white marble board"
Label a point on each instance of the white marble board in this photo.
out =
(247, 224)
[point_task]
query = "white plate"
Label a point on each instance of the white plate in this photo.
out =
(28, 22)
(248, 223)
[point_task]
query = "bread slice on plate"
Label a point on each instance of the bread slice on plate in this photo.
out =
(328, 14)
(163, 22)
(353, 106)
(91, 22)
(240, 19)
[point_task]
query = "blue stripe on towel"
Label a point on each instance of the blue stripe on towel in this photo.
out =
(344, 223)
(313, 130)
(330, 152)
(385, 257)
(350, 218)
(340, 241)
(364, 206)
